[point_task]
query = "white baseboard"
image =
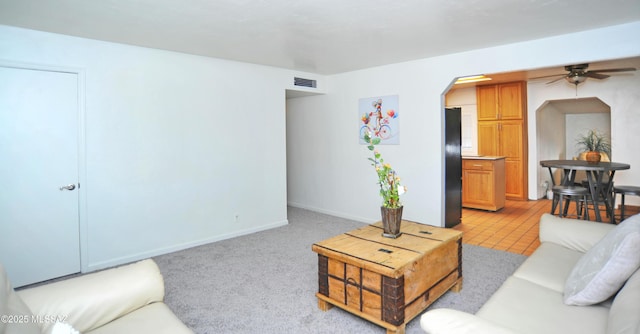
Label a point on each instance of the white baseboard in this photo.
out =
(178, 247)
(332, 213)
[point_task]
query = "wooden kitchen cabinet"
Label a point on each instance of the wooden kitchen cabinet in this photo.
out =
(511, 103)
(488, 109)
(501, 101)
(483, 183)
(505, 138)
(502, 131)
(489, 138)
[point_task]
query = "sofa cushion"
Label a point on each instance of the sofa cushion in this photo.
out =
(549, 266)
(16, 316)
(528, 308)
(155, 318)
(92, 300)
(624, 317)
(562, 231)
(602, 271)
(448, 321)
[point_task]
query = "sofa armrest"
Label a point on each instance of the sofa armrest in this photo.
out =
(575, 234)
(90, 301)
(449, 321)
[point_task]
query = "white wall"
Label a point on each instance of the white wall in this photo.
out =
(332, 174)
(579, 124)
(551, 137)
(176, 145)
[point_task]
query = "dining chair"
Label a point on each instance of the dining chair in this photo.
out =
(624, 190)
(577, 194)
(601, 199)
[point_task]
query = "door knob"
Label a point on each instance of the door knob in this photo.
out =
(68, 187)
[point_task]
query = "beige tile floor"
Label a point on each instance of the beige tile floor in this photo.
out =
(513, 229)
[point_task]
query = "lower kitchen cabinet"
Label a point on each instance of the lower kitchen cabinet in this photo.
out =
(483, 183)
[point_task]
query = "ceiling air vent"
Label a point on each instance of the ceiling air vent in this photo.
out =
(304, 82)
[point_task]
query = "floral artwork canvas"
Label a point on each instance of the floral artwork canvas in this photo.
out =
(379, 117)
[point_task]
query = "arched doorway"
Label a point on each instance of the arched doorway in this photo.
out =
(560, 123)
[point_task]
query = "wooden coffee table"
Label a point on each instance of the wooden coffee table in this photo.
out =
(388, 281)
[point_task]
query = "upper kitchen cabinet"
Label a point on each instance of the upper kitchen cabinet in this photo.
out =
(501, 101)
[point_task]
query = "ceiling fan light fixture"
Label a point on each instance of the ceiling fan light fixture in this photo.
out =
(576, 79)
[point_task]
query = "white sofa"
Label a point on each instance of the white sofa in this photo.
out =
(533, 299)
(127, 299)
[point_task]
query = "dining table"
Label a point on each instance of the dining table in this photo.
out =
(599, 177)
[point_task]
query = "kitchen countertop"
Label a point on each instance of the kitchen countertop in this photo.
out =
(481, 157)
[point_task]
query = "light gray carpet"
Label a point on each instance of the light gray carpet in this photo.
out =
(266, 282)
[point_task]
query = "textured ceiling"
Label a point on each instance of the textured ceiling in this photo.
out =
(320, 36)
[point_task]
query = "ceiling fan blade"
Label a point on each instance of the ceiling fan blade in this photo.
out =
(596, 75)
(560, 78)
(627, 69)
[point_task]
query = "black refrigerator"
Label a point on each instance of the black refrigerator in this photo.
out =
(453, 167)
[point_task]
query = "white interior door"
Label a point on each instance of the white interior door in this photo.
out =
(39, 223)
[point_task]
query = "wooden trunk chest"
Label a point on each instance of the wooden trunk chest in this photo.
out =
(388, 281)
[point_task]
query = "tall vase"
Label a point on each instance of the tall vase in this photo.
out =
(391, 220)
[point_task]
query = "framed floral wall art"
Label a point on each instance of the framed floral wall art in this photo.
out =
(379, 116)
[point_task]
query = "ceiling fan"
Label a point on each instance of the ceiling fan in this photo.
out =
(578, 73)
